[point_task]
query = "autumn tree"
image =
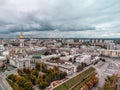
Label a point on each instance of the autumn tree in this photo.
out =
(43, 85)
(26, 70)
(110, 83)
(20, 71)
(33, 79)
(34, 72)
(21, 82)
(28, 86)
(12, 77)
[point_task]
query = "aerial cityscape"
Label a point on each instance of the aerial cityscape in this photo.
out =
(59, 45)
(59, 64)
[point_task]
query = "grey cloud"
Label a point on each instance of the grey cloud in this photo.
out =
(62, 15)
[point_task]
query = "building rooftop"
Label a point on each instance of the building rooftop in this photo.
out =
(21, 36)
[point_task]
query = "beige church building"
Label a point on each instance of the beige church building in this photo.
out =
(18, 56)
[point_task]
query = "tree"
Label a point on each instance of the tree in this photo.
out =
(29, 77)
(3, 66)
(110, 83)
(63, 75)
(83, 64)
(41, 67)
(17, 78)
(26, 70)
(70, 59)
(21, 82)
(40, 79)
(62, 55)
(79, 68)
(48, 78)
(55, 68)
(12, 77)
(85, 87)
(34, 72)
(90, 84)
(43, 85)
(95, 80)
(37, 66)
(47, 53)
(28, 86)
(74, 60)
(33, 79)
(20, 72)
(8, 59)
(44, 67)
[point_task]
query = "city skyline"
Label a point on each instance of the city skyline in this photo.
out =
(60, 19)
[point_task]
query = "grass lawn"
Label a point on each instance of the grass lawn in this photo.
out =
(70, 83)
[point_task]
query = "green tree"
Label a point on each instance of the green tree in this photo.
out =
(43, 85)
(83, 64)
(34, 72)
(28, 86)
(63, 75)
(33, 79)
(70, 59)
(110, 83)
(79, 68)
(26, 70)
(21, 82)
(12, 77)
(20, 72)
(40, 79)
(37, 66)
(44, 67)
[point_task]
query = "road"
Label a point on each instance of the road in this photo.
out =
(102, 71)
(101, 74)
(2, 84)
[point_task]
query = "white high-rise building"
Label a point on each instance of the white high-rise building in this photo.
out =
(111, 46)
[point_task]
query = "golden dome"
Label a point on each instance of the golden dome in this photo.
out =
(21, 36)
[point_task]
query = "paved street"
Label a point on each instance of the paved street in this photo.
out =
(101, 74)
(107, 69)
(2, 84)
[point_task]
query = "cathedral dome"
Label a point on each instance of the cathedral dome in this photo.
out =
(21, 36)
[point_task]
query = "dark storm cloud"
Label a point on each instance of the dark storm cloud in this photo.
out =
(56, 17)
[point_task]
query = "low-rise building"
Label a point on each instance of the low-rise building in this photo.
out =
(83, 58)
(69, 69)
(110, 53)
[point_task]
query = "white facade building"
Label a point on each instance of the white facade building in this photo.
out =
(19, 57)
(69, 69)
(83, 58)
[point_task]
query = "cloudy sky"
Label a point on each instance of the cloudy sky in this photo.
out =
(60, 18)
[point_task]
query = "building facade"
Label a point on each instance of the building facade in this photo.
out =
(19, 56)
(110, 53)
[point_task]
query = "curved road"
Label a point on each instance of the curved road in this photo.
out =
(2, 84)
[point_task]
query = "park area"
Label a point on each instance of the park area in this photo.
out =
(78, 81)
(39, 77)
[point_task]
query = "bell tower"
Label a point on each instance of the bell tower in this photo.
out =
(21, 38)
